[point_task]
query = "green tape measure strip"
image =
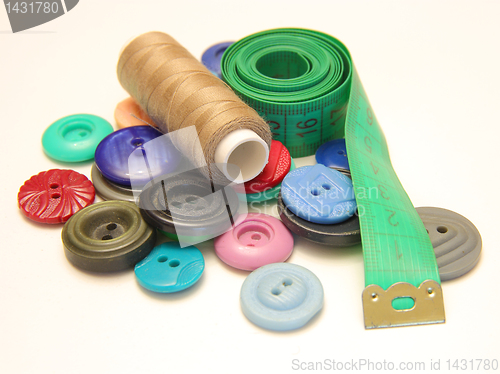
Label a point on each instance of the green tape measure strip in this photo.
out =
(396, 246)
(304, 84)
(298, 80)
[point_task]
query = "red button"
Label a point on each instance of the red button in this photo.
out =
(276, 169)
(54, 196)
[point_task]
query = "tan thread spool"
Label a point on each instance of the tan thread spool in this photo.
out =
(177, 91)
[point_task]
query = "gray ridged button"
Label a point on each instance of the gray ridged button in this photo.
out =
(108, 190)
(456, 241)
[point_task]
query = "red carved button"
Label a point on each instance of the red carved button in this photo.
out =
(276, 169)
(54, 196)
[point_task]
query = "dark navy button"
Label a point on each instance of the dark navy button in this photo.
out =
(342, 234)
(117, 152)
(319, 194)
(212, 56)
(333, 154)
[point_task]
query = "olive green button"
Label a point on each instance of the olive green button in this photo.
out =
(74, 138)
(107, 236)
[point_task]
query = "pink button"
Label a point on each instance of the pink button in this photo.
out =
(256, 241)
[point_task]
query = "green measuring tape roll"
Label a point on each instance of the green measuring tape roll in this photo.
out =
(298, 80)
(305, 85)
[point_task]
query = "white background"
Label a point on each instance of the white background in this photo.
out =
(432, 72)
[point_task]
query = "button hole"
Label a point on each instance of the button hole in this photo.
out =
(137, 142)
(107, 237)
(111, 226)
(162, 258)
(276, 291)
(442, 229)
(174, 263)
(55, 196)
(315, 192)
(54, 185)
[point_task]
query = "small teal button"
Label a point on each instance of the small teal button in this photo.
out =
(75, 138)
(281, 296)
(170, 268)
(319, 194)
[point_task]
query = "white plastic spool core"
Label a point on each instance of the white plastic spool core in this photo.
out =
(245, 149)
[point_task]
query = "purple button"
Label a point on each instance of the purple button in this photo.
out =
(255, 241)
(149, 159)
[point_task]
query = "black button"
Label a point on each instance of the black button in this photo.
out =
(198, 207)
(342, 234)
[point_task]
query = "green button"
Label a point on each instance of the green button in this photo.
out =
(74, 138)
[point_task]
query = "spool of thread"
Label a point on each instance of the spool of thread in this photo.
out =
(177, 91)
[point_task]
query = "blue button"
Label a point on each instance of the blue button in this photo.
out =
(281, 296)
(170, 268)
(128, 147)
(333, 154)
(212, 56)
(319, 194)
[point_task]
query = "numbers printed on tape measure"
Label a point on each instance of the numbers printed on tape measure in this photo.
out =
(391, 222)
(274, 127)
(32, 7)
(337, 116)
(383, 192)
(368, 144)
(306, 125)
(369, 116)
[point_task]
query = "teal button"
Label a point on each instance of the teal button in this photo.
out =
(170, 268)
(74, 138)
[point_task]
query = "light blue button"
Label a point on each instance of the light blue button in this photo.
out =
(319, 194)
(281, 296)
(170, 268)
